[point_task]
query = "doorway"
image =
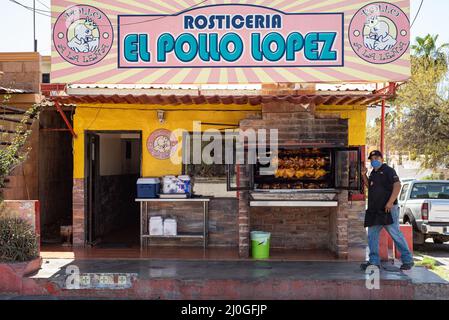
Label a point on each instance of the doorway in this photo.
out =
(113, 165)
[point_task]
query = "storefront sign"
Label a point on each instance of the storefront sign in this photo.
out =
(172, 42)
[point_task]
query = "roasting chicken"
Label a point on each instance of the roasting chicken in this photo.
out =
(320, 162)
(304, 165)
(320, 173)
(300, 174)
(310, 162)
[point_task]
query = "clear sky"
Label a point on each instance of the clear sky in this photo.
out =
(16, 24)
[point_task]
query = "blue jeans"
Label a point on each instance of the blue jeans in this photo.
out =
(396, 235)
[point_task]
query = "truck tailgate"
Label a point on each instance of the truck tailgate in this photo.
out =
(439, 211)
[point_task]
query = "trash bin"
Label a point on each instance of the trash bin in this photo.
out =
(260, 244)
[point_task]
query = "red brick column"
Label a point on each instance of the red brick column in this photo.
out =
(78, 213)
(243, 214)
(243, 220)
(342, 243)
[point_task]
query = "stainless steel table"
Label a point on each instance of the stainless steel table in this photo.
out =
(144, 220)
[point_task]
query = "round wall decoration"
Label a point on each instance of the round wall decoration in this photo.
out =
(161, 144)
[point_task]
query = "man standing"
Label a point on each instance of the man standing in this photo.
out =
(384, 187)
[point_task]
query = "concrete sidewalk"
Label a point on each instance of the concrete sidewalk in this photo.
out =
(146, 279)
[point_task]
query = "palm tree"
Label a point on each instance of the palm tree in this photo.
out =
(427, 49)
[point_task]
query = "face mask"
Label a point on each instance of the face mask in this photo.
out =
(376, 164)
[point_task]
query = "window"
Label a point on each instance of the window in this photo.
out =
(430, 191)
(45, 78)
(208, 179)
(191, 157)
(404, 192)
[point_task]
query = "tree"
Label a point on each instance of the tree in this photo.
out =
(428, 53)
(373, 133)
(423, 127)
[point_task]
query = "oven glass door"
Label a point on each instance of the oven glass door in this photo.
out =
(240, 177)
(348, 168)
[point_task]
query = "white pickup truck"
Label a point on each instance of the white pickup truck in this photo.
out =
(425, 205)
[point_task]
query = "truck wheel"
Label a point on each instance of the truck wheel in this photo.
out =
(438, 240)
(419, 238)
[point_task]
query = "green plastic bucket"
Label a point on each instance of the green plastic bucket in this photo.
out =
(260, 244)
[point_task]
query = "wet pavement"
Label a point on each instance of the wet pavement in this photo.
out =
(56, 269)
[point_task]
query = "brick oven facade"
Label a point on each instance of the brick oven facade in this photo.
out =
(339, 230)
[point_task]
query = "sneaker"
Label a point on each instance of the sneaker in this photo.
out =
(366, 265)
(407, 266)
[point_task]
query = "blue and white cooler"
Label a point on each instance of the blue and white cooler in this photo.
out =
(148, 188)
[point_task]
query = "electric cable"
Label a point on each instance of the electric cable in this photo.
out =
(46, 6)
(417, 13)
(48, 14)
(38, 11)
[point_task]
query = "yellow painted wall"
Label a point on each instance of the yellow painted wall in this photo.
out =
(357, 121)
(144, 118)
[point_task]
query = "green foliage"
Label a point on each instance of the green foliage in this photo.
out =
(435, 176)
(373, 132)
(14, 154)
(423, 125)
(427, 49)
(428, 263)
(420, 124)
(18, 242)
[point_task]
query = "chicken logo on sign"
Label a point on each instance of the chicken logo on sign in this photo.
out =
(162, 144)
(379, 33)
(83, 35)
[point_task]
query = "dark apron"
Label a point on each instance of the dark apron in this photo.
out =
(378, 195)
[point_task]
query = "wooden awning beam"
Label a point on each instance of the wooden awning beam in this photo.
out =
(64, 117)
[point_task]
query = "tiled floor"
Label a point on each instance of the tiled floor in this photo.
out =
(177, 253)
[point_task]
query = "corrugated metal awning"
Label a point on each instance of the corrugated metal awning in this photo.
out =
(4, 90)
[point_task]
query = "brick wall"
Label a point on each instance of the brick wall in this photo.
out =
(297, 125)
(23, 181)
(357, 239)
(294, 228)
(302, 228)
(78, 213)
(21, 71)
(222, 221)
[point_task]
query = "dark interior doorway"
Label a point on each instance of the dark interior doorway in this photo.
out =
(113, 165)
(55, 171)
